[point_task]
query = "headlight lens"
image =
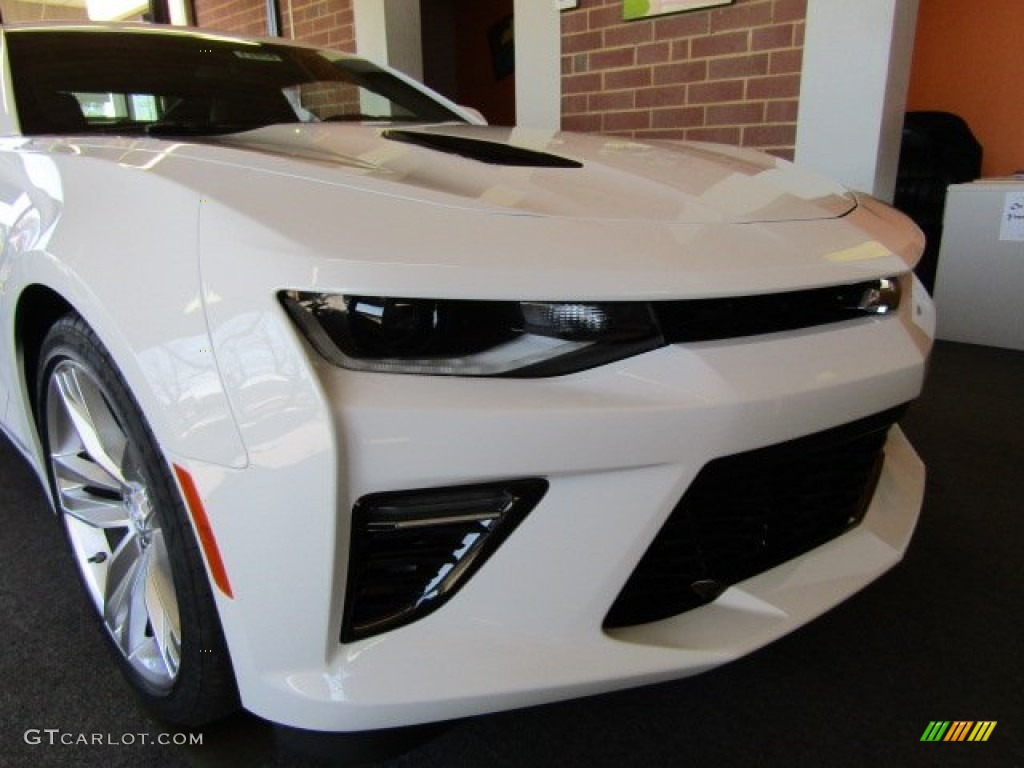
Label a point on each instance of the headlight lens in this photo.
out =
(880, 298)
(534, 339)
(470, 338)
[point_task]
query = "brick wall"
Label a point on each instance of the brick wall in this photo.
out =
(242, 17)
(729, 74)
(329, 23)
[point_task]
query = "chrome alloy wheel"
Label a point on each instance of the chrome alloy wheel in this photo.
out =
(115, 534)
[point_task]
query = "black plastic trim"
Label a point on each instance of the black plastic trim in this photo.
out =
(735, 317)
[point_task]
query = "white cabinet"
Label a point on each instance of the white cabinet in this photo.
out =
(979, 287)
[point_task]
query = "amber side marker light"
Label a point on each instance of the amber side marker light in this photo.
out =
(202, 523)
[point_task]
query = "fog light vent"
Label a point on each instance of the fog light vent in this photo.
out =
(412, 550)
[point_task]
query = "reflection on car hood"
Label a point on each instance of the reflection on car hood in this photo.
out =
(562, 174)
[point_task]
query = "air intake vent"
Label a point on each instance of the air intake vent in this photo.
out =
(749, 512)
(490, 152)
(412, 550)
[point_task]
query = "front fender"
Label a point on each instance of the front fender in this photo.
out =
(119, 244)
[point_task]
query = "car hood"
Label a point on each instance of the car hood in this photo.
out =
(529, 172)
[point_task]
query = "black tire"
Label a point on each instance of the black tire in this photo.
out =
(108, 464)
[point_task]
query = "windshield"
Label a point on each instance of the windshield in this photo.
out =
(130, 83)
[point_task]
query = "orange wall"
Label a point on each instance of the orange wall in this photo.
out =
(968, 60)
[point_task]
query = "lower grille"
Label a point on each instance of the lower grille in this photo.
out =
(749, 512)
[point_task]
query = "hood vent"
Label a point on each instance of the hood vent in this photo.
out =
(490, 152)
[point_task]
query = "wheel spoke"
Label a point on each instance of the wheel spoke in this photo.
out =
(75, 469)
(96, 427)
(94, 510)
(124, 609)
(162, 605)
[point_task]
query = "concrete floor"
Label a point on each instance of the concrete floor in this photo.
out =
(938, 638)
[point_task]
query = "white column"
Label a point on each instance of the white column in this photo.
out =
(388, 32)
(853, 92)
(538, 41)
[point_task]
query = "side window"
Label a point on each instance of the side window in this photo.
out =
(114, 108)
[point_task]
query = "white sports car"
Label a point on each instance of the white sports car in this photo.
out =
(359, 413)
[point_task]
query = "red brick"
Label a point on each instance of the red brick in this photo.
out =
(785, 62)
(652, 53)
(741, 16)
(782, 111)
(567, 65)
(738, 66)
(612, 59)
(627, 78)
(581, 83)
(588, 41)
(776, 36)
(735, 114)
(240, 16)
(629, 34)
(626, 121)
(720, 135)
(591, 123)
(615, 100)
(606, 16)
(715, 92)
(681, 50)
(684, 72)
(789, 10)
(798, 35)
(774, 87)
(720, 45)
(769, 135)
(683, 25)
(574, 103)
(576, 21)
(678, 117)
(667, 96)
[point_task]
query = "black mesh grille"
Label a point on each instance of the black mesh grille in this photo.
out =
(749, 512)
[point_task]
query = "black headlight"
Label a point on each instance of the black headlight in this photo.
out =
(470, 338)
(535, 339)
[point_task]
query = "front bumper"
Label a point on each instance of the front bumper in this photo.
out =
(619, 446)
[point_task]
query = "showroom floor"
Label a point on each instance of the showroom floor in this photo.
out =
(939, 638)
